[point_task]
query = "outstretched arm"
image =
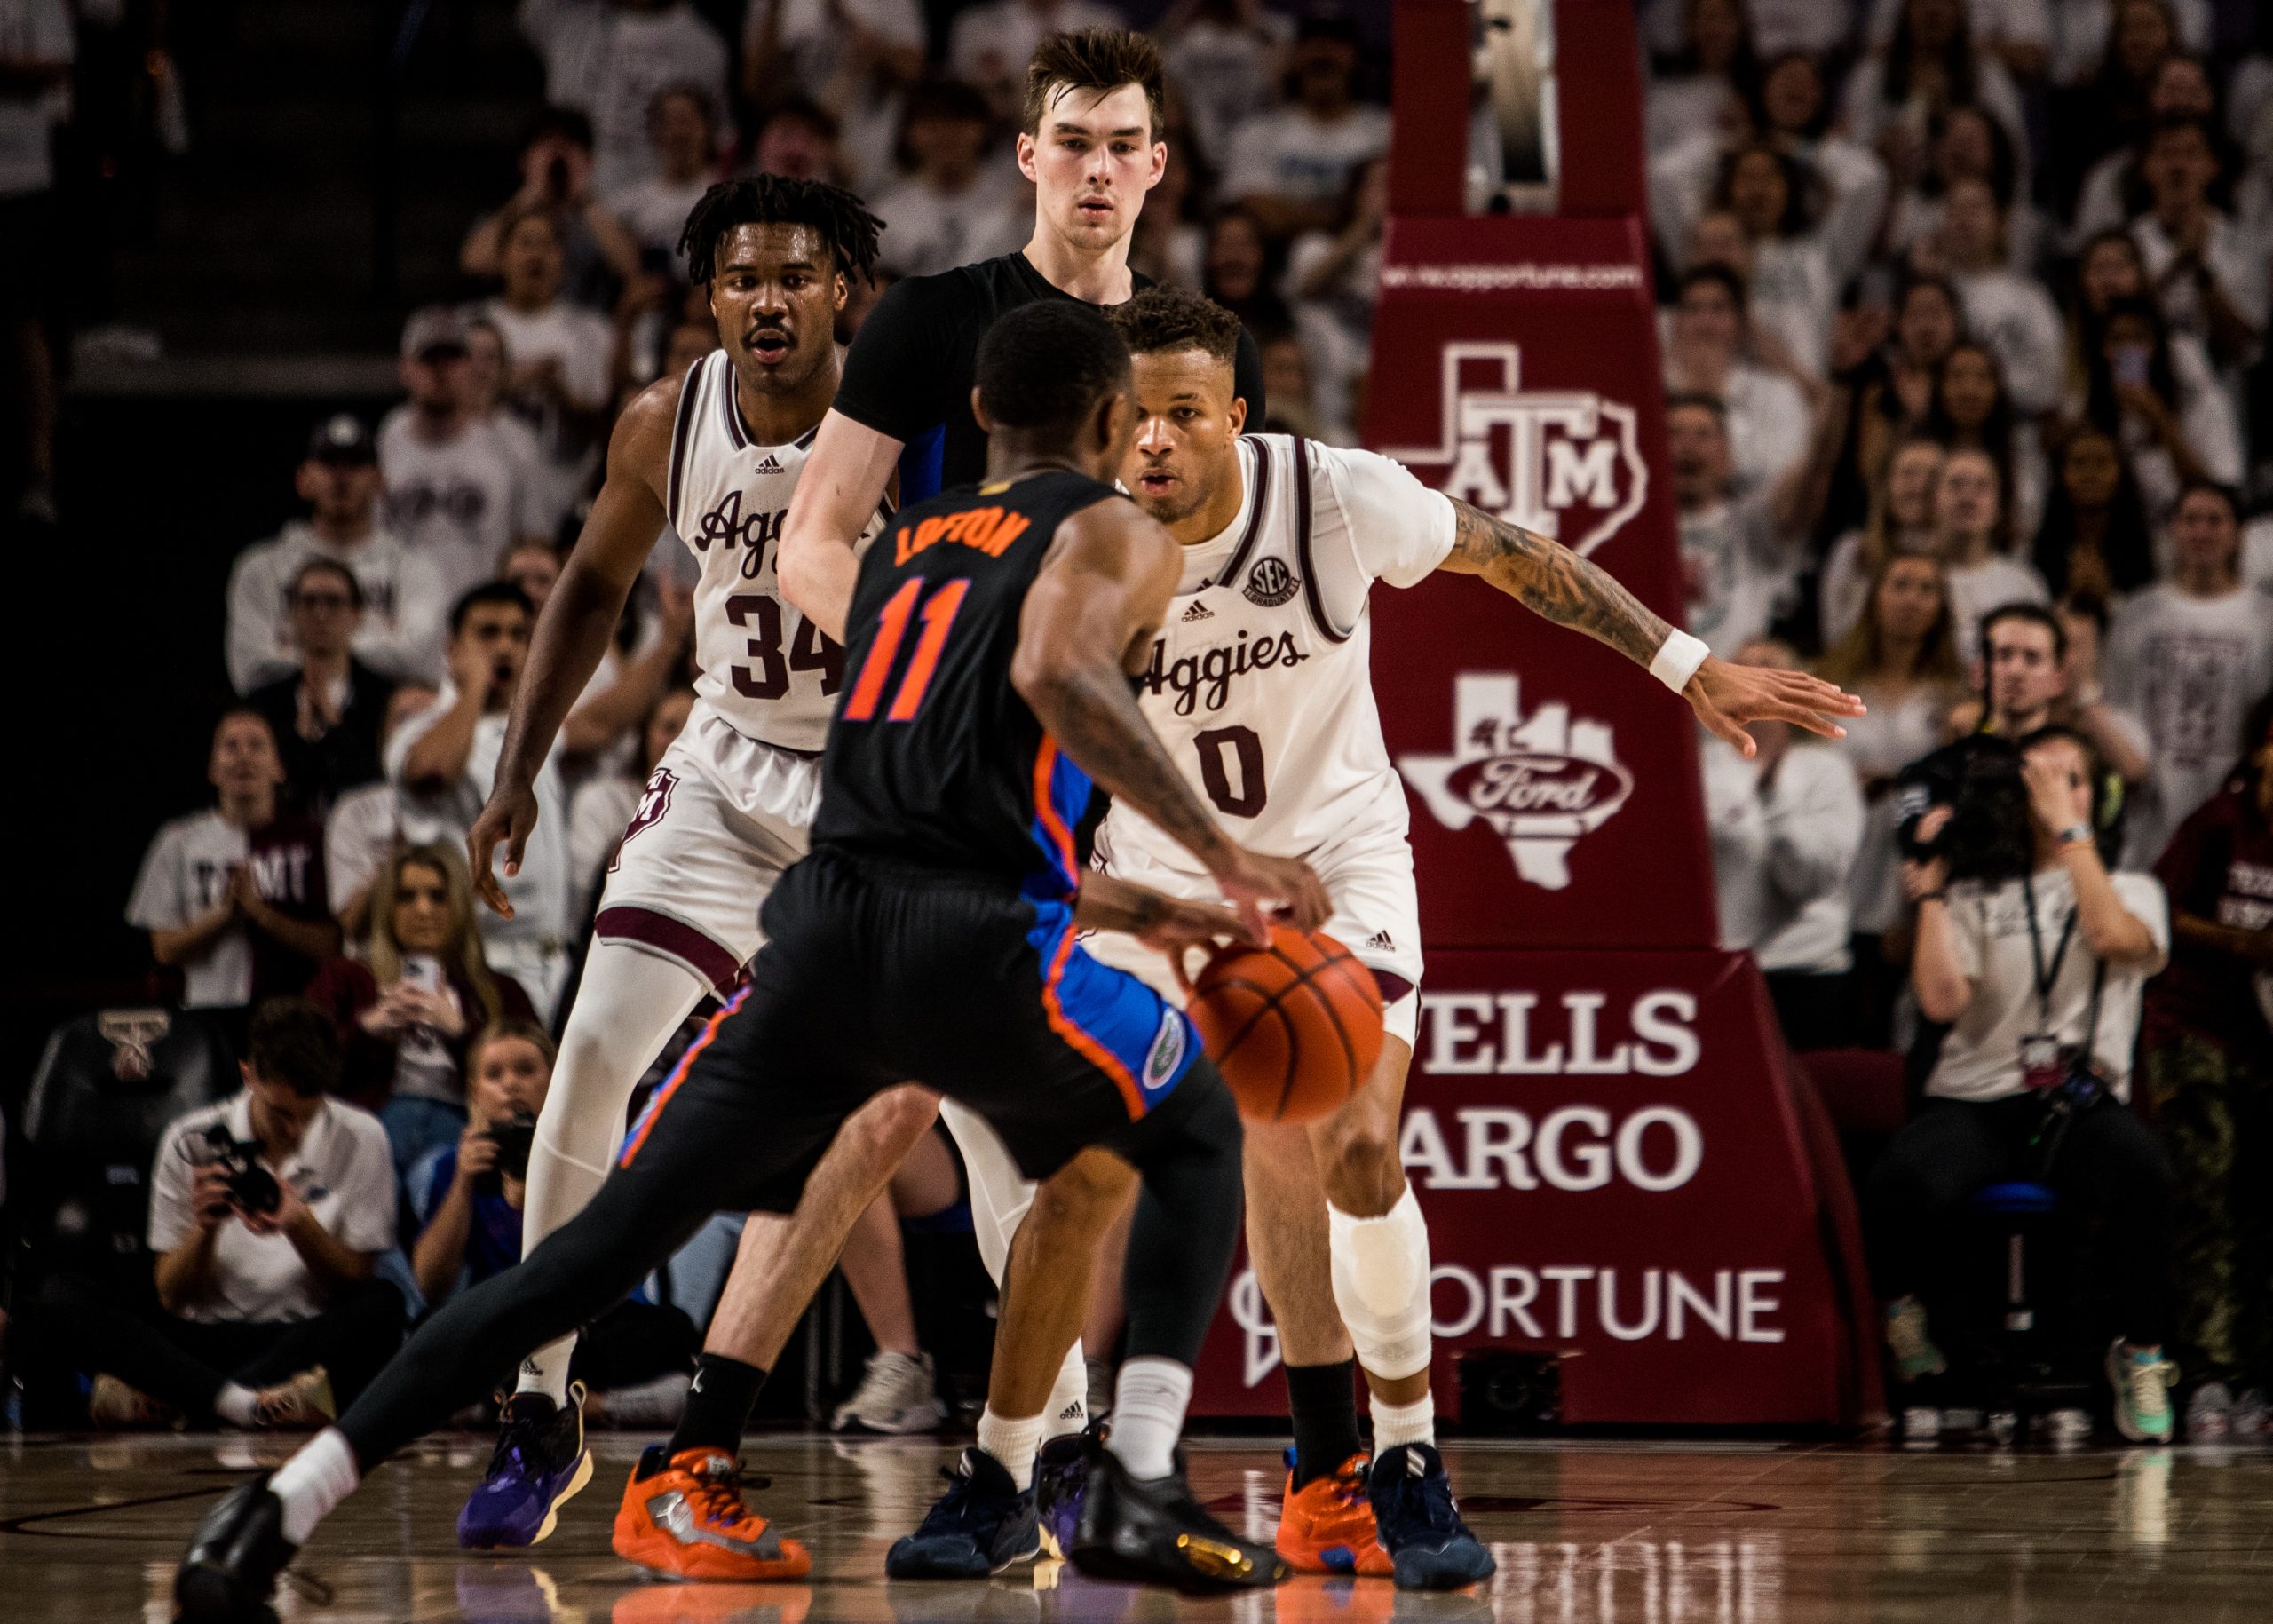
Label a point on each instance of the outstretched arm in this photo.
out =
(843, 478)
(1550, 579)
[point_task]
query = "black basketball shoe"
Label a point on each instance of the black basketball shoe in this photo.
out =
(982, 1524)
(1154, 1532)
(229, 1572)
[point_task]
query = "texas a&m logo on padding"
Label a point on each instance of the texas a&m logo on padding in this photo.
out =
(1564, 463)
(654, 801)
(1541, 782)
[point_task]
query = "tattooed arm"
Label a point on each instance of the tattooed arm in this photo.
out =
(1551, 580)
(1088, 621)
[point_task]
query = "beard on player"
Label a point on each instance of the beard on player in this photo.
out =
(1183, 468)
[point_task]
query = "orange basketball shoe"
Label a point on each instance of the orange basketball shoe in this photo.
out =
(682, 1516)
(1327, 1526)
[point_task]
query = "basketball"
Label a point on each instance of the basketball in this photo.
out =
(1295, 1026)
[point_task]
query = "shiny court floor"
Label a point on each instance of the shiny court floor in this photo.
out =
(1586, 1533)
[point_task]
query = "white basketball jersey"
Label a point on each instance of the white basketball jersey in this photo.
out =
(1260, 681)
(771, 673)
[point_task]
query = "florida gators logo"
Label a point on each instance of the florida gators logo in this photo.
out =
(654, 801)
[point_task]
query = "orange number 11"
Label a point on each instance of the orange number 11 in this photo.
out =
(875, 670)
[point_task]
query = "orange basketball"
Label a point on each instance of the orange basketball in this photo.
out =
(1295, 1026)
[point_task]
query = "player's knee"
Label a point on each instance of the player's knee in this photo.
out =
(893, 1120)
(1358, 1166)
(1084, 1194)
(1381, 1285)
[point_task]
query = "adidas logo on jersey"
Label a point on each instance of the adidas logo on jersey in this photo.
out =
(771, 464)
(1198, 612)
(1379, 942)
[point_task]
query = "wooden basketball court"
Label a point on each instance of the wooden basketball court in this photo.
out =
(1586, 1533)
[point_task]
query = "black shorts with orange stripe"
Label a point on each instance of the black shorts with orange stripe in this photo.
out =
(875, 975)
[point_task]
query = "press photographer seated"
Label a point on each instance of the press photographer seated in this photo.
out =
(2037, 966)
(268, 1212)
(469, 1197)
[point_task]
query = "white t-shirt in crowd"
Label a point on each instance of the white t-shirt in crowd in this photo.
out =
(1777, 26)
(816, 44)
(991, 43)
(1288, 152)
(584, 345)
(341, 1169)
(539, 893)
(2234, 258)
(928, 231)
(655, 211)
(459, 502)
(185, 875)
(32, 31)
(1224, 71)
(2079, 31)
(1769, 423)
(2192, 668)
(2016, 318)
(611, 62)
(1782, 852)
(599, 813)
(1976, 588)
(1981, 1057)
(405, 607)
(362, 830)
(1738, 569)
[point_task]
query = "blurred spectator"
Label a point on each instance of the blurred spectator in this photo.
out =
(1289, 385)
(1968, 145)
(2082, 34)
(1766, 414)
(268, 1212)
(458, 486)
(1972, 411)
(1928, 64)
(2192, 655)
(442, 763)
(1780, 203)
(557, 354)
(408, 1008)
(2039, 976)
(1224, 58)
(989, 44)
(953, 206)
(798, 139)
(683, 128)
(2035, 674)
(1697, 91)
(1792, 111)
(2010, 315)
(327, 716)
(37, 47)
(1901, 657)
(2208, 274)
(2094, 537)
(2017, 32)
(1971, 538)
(2105, 108)
(1900, 521)
(1776, 25)
(1240, 269)
(404, 597)
(2116, 731)
(1290, 166)
(603, 805)
(2208, 1058)
(365, 829)
(819, 66)
(1738, 557)
(1169, 243)
(467, 1196)
(610, 59)
(1335, 276)
(233, 896)
(596, 251)
(2115, 190)
(1786, 826)
(2170, 419)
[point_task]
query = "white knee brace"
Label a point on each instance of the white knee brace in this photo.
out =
(1381, 1285)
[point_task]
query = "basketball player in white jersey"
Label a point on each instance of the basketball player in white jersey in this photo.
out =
(715, 457)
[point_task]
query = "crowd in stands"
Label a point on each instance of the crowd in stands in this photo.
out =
(1969, 408)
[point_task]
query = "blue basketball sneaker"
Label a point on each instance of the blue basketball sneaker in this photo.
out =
(1418, 1522)
(540, 1462)
(982, 1524)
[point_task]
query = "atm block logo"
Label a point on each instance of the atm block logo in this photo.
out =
(1564, 463)
(1542, 782)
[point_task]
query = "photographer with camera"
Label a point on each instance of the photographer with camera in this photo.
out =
(2037, 959)
(268, 1212)
(469, 1197)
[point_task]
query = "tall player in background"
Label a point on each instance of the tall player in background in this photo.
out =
(717, 457)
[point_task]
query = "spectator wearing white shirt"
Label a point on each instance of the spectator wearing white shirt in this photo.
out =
(1738, 560)
(404, 597)
(2115, 190)
(2082, 29)
(2035, 673)
(597, 254)
(2039, 977)
(683, 128)
(1785, 828)
(2193, 656)
(38, 47)
(1224, 58)
(1791, 109)
(2095, 536)
(2207, 273)
(2011, 314)
(2173, 423)
(266, 1311)
(610, 59)
(1973, 411)
(1898, 521)
(556, 375)
(365, 828)
(233, 896)
(458, 487)
(1767, 415)
(989, 45)
(1930, 62)
(1793, 291)
(1966, 144)
(2018, 31)
(1697, 88)
(848, 55)
(443, 762)
(956, 205)
(1971, 538)
(1290, 166)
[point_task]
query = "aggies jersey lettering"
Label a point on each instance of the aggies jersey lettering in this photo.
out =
(1259, 682)
(769, 672)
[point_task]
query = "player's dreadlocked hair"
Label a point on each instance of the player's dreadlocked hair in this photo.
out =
(1166, 317)
(776, 200)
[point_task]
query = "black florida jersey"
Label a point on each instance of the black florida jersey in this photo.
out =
(933, 758)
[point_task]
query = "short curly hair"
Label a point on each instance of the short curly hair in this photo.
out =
(1164, 318)
(850, 230)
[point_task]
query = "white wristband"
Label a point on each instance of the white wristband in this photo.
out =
(1677, 659)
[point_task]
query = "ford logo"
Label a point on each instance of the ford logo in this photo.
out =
(1542, 786)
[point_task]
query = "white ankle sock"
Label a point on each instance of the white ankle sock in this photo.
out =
(1068, 1409)
(1012, 1442)
(1404, 1424)
(313, 1481)
(1148, 1405)
(237, 1405)
(546, 1371)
